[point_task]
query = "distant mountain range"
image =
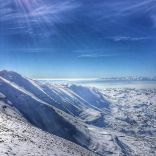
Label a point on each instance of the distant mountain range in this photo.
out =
(132, 78)
(135, 78)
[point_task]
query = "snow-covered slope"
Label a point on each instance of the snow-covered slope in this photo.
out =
(18, 137)
(73, 103)
(61, 97)
(91, 95)
(40, 113)
(129, 116)
(108, 122)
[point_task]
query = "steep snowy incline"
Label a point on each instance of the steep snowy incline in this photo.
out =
(59, 96)
(40, 113)
(18, 137)
(91, 95)
(73, 103)
(7, 108)
(27, 85)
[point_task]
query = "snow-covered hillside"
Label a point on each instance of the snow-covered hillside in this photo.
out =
(59, 96)
(40, 113)
(18, 137)
(89, 110)
(107, 122)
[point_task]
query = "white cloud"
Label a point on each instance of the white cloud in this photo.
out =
(126, 38)
(32, 14)
(96, 55)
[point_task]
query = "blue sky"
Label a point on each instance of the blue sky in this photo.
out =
(78, 38)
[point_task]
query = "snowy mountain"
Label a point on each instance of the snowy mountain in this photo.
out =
(88, 106)
(37, 111)
(55, 95)
(18, 137)
(107, 122)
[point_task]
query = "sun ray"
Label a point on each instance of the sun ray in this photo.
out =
(33, 16)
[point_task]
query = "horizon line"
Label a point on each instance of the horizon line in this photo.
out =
(113, 77)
